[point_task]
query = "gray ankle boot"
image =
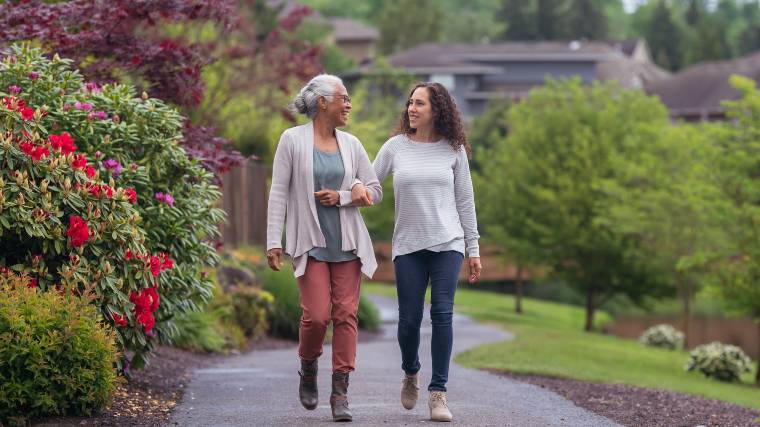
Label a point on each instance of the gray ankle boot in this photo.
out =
(307, 388)
(339, 397)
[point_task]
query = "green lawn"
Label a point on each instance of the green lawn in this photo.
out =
(549, 341)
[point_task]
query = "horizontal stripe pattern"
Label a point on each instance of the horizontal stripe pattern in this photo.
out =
(435, 205)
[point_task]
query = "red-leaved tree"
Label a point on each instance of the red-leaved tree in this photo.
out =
(112, 38)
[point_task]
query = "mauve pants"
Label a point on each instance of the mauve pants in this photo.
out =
(330, 291)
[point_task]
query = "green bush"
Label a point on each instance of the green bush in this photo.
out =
(200, 330)
(663, 336)
(252, 308)
(720, 361)
(129, 142)
(369, 316)
(286, 315)
(56, 358)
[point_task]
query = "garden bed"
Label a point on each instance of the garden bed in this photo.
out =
(638, 406)
(149, 399)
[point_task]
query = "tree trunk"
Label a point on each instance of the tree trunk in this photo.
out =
(757, 373)
(684, 289)
(590, 310)
(519, 290)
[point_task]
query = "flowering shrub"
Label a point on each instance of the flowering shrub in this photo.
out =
(664, 336)
(56, 358)
(132, 202)
(721, 361)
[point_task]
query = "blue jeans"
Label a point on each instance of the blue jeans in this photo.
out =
(413, 271)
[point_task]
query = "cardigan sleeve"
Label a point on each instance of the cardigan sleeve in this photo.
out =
(278, 194)
(365, 174)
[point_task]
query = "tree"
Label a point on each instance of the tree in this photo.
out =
(738, 143)
(749, 38)
(131, 40)
(664, 35)
(586, 19)
(548, 19)
(406, 24)
(561, 142)
(519, 19)
(663, 197)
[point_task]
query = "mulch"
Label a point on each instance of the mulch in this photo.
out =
(150, 397)
(638, 406)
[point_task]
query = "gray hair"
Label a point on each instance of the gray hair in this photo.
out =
(322, 85)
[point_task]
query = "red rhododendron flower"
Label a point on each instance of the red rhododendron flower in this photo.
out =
(94, 190)
(128, 255)
(40, 152)
(27, 147)
(146, 302)
(166, 262)
(147, 320)
(119, 320)
(63, 143)
(155, 265)
(79, 162)
(89, 171)
(78, 231)
(27, 113)
(131, 195)
(108, 191)
(32, 283)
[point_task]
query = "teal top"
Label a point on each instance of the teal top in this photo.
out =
(328, 174)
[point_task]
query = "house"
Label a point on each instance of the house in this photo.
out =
(696, 93)
(354, 39)
(478, 73)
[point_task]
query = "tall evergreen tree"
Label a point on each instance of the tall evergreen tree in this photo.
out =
(519, 18)
(586, 19)
(749, 38)
(664, 36)
(548, 19)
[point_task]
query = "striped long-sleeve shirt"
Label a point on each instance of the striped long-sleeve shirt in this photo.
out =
(435, 206)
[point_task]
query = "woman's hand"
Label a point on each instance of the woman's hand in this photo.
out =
(327, 197)
(475, 269)
(360, 195)
(274, 258)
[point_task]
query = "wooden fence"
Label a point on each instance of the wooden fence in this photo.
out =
(244, 198)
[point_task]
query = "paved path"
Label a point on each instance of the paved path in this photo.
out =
(260, 388)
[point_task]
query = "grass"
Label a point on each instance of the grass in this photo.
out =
(549, 341)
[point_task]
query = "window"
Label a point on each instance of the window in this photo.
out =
(447, 80)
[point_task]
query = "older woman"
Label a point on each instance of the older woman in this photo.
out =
(434, 225)
(315, 166)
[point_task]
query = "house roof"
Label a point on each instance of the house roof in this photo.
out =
(456, 54)
(702, 87)
(345, 29)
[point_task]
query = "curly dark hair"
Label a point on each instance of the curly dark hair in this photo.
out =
(446, 118)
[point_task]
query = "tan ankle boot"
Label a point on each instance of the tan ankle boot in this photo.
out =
(307, 387)
(439, 410)
(339, 397)
(409, 391)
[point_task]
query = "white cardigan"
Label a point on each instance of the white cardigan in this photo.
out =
(292, 201)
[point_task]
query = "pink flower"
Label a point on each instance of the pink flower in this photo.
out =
(14, 90)
(160, 196)
(92, 87)
(33, 75)
(83, 106)
(169, 199)
(97, 115)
